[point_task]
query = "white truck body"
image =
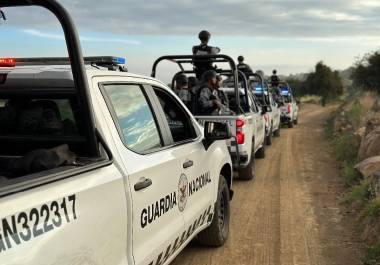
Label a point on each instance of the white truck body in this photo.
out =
(289, 111)
(253, 129)
(96, 216)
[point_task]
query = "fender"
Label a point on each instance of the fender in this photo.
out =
(219, 151)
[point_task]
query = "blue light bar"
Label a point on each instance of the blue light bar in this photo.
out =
(257, 88)
(285, 92)
(119, 60)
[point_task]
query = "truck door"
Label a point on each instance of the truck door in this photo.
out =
(154, 172)
(196, 186)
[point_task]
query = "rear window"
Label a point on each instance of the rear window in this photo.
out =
(29, 123)
(37, 117)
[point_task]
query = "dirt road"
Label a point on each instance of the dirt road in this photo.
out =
(290, 213)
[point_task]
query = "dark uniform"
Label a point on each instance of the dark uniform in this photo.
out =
(202, 66)
(206, 101)
(275, 80)
(243, 67)
(182, 90)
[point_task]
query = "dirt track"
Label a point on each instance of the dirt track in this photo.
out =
(290, 213)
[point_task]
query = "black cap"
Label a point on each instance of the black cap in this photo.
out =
(240, 58)
(204, 35)
(208, 75)
(274, 71)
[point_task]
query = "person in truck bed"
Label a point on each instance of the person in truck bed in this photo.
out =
(202, 66)
(182, 89)
(209, 102)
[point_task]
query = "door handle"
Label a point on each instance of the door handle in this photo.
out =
(188, 163)
(143, 184)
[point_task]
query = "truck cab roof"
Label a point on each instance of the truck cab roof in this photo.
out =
(53, 76)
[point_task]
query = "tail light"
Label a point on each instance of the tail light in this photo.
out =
(240, 137)
(289, 108)
(7, 62)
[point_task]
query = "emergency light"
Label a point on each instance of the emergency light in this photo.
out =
(284, 91)
(7, 62)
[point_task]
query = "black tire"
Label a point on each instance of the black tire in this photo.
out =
(296, 121)
(290, 124)
(248, 172)
(269, 137)
(217, 233)
(261, 152)
(277, 132)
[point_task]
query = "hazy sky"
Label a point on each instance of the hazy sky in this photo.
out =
(288, 35)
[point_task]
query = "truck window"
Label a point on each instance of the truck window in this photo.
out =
(179, 122)
(135, 118)
(33, 116)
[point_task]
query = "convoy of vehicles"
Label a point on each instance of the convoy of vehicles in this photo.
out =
(101, 166)
(245, 119)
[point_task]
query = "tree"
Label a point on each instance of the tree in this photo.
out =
(366, 73)
(322, 82)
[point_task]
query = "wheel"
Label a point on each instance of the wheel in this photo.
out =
(290, 124)
(277, 132)
(296, 121)
(261, 152)
(269, 137)
(248, 172)
(217, 233)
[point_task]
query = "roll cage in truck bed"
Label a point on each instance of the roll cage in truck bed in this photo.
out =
(76, 61)
(78, 91)
(233, 72)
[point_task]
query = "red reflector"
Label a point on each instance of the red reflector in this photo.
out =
(240, 137)
(289, 108)
(239, 123)
(3, 77)
(7, 62)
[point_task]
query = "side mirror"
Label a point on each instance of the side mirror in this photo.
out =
(214, 131)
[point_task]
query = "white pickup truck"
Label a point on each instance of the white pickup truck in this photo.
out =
(273, 116)
(142, 177)
(288, 105)
(245, 118)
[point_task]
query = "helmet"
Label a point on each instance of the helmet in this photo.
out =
(274, 71)
(208, 75)
(204, 35)
(240, 58)
(181, 79)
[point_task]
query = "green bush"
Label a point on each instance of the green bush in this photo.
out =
(371, 210)
(351, 175)
(360, 194)
(373, 255)
(355, 114)
(346, 147)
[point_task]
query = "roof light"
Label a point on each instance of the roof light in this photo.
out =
(119, 60)
(7, 62)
